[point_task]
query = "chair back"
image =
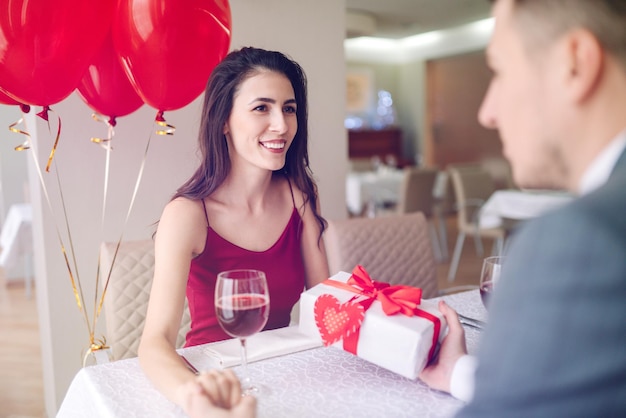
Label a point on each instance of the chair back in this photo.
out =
(472, 186)
(416, 191)
(126, 300)
(395, 249)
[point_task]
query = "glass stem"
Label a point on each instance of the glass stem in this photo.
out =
(245, 382)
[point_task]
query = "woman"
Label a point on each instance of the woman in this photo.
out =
(252, 203)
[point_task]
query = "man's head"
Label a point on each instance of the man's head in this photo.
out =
(559, 66)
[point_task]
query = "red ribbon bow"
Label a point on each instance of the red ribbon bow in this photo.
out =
(393, 299)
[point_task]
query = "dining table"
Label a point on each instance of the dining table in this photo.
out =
(374, 188)
(314, 381)
(511, 206)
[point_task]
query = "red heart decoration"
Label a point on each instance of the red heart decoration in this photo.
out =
(335, 320)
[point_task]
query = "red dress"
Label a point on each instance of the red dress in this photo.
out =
(283, 267)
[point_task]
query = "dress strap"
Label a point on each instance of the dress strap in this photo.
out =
(293, 200)
(206, 215)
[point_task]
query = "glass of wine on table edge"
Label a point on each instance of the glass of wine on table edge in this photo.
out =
(242, 305)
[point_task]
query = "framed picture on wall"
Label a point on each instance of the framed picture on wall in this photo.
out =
(359, 90)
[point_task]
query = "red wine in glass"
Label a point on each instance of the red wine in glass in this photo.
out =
(242, 315)
(242, 304)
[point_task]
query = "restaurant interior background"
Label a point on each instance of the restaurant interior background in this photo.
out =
(436, 81)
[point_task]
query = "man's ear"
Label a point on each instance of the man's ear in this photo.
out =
(586, 63)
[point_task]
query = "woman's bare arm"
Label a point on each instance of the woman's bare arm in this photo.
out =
(178, 238)
(313, 251)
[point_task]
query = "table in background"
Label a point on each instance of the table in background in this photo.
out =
(519, 205)
(16, 241)
(319, 382)
(372, 187)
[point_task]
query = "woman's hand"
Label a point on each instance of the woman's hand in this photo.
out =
(438, 374)
(216, 393)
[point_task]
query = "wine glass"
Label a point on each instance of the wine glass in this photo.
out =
(242, 305)
(489, 277)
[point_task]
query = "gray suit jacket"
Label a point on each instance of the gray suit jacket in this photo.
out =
(556, 341)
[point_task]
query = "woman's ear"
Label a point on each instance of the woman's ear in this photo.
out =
(586, 63)
(226, 130)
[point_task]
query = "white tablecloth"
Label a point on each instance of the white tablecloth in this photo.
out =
(320, 382)
(519, 205)
(377, 186)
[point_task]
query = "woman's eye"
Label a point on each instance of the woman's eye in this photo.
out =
(261, 108)
(290, 109)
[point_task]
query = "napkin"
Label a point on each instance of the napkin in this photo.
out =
(260, 346)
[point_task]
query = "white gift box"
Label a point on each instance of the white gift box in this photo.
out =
(397, 342)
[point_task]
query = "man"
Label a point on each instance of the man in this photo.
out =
(556, 341)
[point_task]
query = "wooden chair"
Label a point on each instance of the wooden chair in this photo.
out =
(472, 187)
(395, 249)
(126, 301)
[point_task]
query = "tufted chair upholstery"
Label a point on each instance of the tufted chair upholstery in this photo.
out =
(395, 249)
(126, 301)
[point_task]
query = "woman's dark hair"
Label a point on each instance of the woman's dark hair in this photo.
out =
(221, 88)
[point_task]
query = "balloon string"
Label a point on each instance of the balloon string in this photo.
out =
(119, 242)
(75, 283)
(106, 143)
(71, 243)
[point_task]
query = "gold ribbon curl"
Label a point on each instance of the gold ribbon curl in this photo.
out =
(44, 114)
(95, 346)
(167, 128)
(13, 128)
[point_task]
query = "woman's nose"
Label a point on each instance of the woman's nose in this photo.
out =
(278, 123)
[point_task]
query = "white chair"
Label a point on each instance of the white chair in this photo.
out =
(126, 300)
(395, 249)
(472, 187)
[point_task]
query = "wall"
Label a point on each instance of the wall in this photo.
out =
(399, 66)
(291, 26)
(456, 87)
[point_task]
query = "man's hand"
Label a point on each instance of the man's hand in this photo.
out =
(437, 375)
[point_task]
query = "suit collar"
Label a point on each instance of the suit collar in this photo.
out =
(605, 163)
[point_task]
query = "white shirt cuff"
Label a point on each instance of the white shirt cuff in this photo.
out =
(462, 379)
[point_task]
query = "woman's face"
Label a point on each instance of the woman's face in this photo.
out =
(262, 123)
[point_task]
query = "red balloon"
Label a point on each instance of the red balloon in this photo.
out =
(4, 99)
(45, 46)
(105, 86)
(169, 47)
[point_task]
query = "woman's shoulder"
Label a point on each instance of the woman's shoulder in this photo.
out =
(183, 207)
